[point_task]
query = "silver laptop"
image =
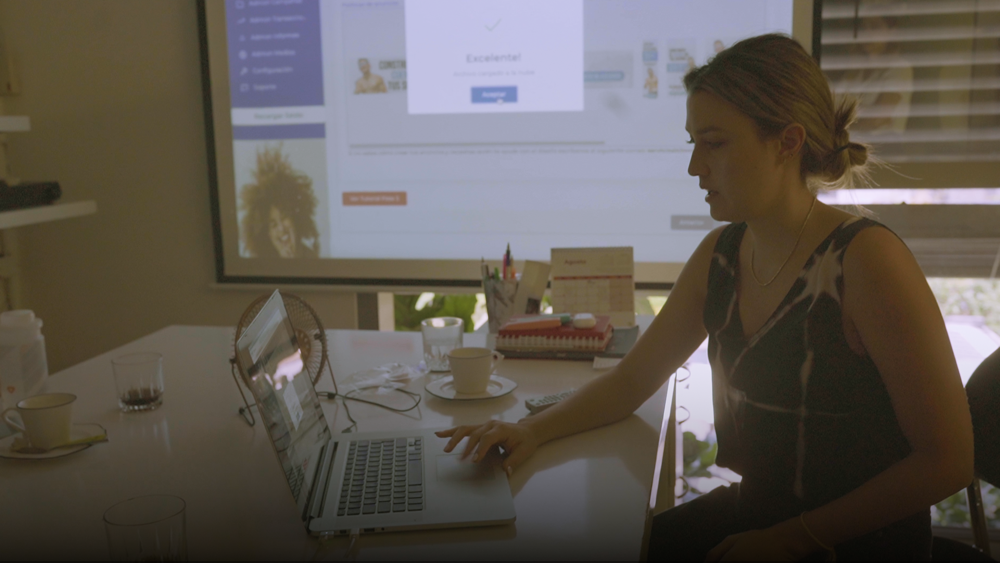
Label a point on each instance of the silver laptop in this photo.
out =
(371, 482)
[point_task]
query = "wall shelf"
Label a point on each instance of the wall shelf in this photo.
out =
(14, 123)
(45, 213)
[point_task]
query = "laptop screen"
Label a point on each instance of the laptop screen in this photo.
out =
(271, 359)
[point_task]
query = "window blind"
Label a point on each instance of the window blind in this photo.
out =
(927, 75)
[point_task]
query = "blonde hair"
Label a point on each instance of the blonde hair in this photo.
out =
(775, 82)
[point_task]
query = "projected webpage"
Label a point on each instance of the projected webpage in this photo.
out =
(444, 129)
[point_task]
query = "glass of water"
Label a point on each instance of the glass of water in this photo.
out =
(441, 335)
(147, 528)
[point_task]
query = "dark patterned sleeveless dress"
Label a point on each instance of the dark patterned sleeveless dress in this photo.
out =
(801, 417)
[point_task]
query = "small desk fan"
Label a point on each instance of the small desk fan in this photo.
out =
(308, 331)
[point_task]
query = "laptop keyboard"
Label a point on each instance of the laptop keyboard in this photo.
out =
(383, 476)
(296, 477)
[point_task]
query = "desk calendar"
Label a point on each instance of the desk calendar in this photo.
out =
(595, 280)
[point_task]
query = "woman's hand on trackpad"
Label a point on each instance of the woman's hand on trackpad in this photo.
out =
(517, 441)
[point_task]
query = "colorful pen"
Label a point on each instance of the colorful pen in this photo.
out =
(507, 273)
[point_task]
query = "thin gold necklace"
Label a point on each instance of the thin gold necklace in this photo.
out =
(753, 251)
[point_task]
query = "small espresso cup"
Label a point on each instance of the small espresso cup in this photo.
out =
(471, 368)
(45, 419)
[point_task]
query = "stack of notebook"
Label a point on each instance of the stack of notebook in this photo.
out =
(554, 336)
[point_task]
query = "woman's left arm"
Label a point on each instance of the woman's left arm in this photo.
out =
(888, 301)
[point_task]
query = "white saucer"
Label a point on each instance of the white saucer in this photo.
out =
(78, 432)
(445, 388)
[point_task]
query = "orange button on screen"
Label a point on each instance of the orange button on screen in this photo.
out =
(374, 198)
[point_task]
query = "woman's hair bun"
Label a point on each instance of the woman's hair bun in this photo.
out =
(858, 153)
(844, 155)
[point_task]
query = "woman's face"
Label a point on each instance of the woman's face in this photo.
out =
(734, 166)
(282, 232)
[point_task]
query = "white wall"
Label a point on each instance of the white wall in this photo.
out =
(113, 89)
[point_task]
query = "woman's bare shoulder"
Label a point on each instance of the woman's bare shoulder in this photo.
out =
(702, 256)
(878, 263)
(711, 240)
(693, 279)
(875, 243)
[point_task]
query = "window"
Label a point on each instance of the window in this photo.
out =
(927, 73)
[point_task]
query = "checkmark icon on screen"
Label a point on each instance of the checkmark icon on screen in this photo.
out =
(494, 25)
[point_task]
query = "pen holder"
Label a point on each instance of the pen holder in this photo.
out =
(499, 301)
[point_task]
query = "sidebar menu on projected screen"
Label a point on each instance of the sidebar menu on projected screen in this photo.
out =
(279, 127)
(274, 53)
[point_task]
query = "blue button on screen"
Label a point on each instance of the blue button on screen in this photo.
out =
(494, 94)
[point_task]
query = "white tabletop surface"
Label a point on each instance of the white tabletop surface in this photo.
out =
(582, 497)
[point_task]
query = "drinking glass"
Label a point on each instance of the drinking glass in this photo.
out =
(147, 528)
(139, 380)
(441, 335)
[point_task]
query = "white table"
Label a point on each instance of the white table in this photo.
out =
(582, 497)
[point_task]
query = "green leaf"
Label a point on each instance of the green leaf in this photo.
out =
(707, 457)
(408, 318)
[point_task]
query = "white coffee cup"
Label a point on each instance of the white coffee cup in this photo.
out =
(471, 368)
(46, 419)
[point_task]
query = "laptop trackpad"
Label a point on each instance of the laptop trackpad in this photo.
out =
(453, 468)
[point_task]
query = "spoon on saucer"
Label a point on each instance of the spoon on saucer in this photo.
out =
(22, 447)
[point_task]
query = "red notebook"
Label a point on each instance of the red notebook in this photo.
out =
(562, 338)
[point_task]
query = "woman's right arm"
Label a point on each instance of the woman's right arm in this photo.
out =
(670, 340)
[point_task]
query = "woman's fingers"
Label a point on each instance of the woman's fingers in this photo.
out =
(474, 438)
(456, 436)
(515, 441)
(493, 437)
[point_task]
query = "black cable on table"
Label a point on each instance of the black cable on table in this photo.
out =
(347, 397)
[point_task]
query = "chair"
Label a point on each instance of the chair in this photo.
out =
(983, 391)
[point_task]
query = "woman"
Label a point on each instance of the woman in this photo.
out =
(837, 396)
(280, 209)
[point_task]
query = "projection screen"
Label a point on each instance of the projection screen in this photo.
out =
(397, 143)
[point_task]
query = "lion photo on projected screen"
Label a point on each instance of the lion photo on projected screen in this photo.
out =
(279, 209)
